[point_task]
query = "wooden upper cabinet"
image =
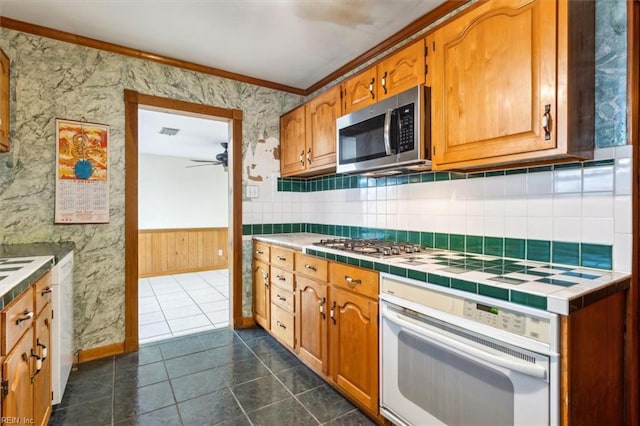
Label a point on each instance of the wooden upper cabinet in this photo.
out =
(292, 142)
(321, 115)
(360, 91)
(4, 102)
(402, 70)
(501, 91)
(308, 135)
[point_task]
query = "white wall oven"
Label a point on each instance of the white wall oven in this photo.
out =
(455, 358)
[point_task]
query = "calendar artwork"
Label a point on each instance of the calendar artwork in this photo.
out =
(82, 172)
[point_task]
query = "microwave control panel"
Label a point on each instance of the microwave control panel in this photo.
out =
(406, 136)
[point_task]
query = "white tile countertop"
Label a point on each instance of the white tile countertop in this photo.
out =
(18, 273)
(556, 288)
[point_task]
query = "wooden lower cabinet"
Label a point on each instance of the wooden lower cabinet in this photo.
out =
(26, 368)
(311, 323)
(42, 379)
(17, 401)
(261, 294)
(353, 342)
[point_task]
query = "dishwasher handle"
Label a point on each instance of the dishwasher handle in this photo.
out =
(423, 332)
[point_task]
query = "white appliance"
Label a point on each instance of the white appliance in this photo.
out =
(457, 358)
(62, 327)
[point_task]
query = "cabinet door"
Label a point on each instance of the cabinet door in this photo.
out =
(311, 322)
(321, 115)
(292, 142)
(353, 343)
(261, 294)
(402, 71)
(16, 371)
(494, 74)
(42, 380)
(360, 90)
(4, 102)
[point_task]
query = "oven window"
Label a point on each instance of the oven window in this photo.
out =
(456, 390)
(362, 141)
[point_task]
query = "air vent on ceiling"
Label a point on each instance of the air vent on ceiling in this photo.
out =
(169, 131)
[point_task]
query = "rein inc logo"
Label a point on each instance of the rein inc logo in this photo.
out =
(17, 421)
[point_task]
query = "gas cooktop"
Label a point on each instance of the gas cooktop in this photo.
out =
(371, 247)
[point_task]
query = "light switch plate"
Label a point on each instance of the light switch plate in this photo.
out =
(252, 191)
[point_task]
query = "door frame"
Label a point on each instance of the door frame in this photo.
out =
(133, 100)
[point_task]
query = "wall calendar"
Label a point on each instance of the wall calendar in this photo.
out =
(82, 172)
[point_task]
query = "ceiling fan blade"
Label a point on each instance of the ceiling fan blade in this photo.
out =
(207, 163)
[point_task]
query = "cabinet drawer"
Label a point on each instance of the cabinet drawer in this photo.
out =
(310, 266)
(261, 252)
(361, 281)
(281, 278)
(282, 298)
(282, 325)
(16, 319)
(43, 292)
(282, 257)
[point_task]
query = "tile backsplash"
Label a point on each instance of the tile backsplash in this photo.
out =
(571, 209)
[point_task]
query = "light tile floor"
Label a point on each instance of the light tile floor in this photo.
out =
(176, 305)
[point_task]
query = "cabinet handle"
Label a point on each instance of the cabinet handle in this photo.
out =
(373, 96)
(281, 258)
(384, 82)
(546, 122)
(279, 278)
(283, 299)
(26, 315)
(259, 252)
(332, 313)
(38, 364)
(43, 351)
(309, 156)
(301, 158)
(313, 268)
(265, 278)
(324, 300)
(45, 291)
(352, 282)
(281, 325)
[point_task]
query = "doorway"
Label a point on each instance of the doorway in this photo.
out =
(133, 102)
(183, 285)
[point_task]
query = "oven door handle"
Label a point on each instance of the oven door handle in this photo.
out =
(422, 332)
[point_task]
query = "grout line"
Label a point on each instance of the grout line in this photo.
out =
(279, 381)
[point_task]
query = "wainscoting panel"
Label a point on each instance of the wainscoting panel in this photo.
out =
(174, 251)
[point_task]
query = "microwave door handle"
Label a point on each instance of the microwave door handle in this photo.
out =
(387, 131)
(444, 341)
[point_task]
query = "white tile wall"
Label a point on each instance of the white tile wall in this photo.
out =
(591, 205)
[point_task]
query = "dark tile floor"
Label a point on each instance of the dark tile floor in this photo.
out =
(222, 377)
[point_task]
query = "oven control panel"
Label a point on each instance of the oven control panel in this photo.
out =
(507, 320)
(497, 316)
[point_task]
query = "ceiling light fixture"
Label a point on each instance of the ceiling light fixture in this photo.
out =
(169, 131)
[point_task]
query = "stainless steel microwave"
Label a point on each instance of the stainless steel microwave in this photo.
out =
(392, 136)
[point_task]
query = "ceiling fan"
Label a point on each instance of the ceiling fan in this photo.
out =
(221, 158)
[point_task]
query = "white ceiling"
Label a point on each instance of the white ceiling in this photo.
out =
(291, 42)
(197, 139)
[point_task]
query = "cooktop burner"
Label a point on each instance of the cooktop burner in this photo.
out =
(371, 247)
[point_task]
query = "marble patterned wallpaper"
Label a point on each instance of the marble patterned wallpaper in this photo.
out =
(52, 79)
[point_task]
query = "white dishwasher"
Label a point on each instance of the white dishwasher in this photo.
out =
(62, 328)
